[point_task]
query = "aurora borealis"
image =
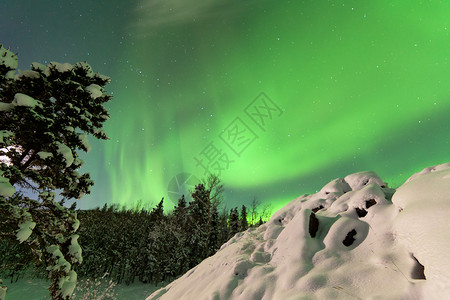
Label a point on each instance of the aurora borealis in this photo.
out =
(283, 95)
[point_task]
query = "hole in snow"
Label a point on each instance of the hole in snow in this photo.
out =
(313, 225)
(317, 209)
(349, 239)
(418, 272)
(361, 212)
(370, 202)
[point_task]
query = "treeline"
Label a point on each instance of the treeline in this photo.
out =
(148, 245)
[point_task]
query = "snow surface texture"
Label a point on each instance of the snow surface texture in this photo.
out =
(355, 239)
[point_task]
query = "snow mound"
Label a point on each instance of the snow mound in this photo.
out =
(354, 239)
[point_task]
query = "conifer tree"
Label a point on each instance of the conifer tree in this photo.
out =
(234, 222)
(243, 219)
(158, 212)
(46, 114)
(198, 224)
(260, 222)
(213, 234)
(180, 212)
(179, 230)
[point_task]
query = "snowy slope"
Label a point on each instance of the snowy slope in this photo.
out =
(355, 239)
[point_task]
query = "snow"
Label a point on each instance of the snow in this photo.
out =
(76, 225)
(3, 290)
(20, 100)
(61, 264)
(25, 100)
(75, 249)
(44, 155)
(423, 226)
(84, 141)
(6, 106)
(8, 59)
(60, 67)
(25, 229)
(364, 241)
(5, 134)
(95, 90)
(67, 284)
(66, 153)
(103, 77)
(28, 73)
(6, 189)
(84, 65)
(38, 67)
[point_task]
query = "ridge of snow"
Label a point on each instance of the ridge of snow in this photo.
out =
(355, 238)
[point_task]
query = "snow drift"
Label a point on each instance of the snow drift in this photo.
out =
(355, 239)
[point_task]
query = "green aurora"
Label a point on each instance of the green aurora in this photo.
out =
(340, 87)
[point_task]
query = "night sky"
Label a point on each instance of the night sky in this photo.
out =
(279, 97)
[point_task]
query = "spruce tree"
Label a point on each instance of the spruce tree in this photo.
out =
(180, 212)
(198, 225)
(179, 230)
(213, 234)
(234, 222)
(46, 114)
(243, 219)
(157, 213)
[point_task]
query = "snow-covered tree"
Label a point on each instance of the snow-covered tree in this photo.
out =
(46, 114)
(180, 212)
(197, 227)
(158, 212)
